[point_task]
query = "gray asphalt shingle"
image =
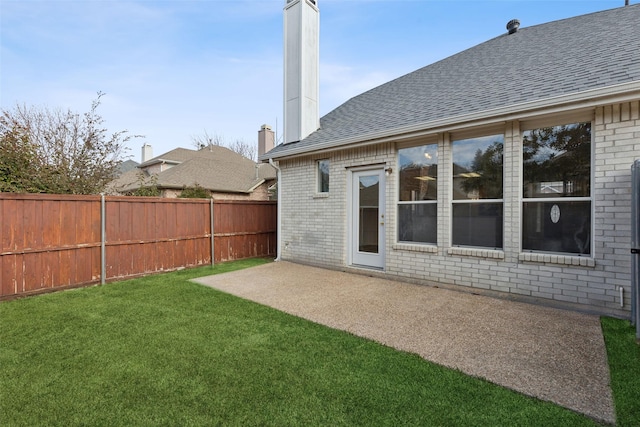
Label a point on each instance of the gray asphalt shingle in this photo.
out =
(558, 58)
(215, 168)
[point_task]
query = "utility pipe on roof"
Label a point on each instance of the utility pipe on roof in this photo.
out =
(279, 210)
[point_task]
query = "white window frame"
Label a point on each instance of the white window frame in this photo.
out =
(541, 123)
(319, 189)
(468, 136)
(415, 202)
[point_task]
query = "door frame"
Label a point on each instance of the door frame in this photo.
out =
(379, 260)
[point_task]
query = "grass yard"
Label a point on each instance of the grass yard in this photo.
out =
(160, 350)
(623, 353)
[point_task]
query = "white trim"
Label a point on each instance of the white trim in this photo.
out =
(542, 256)
(279, 210)
(318, 181)
(250, 190)
(351, 231)
(591, 98)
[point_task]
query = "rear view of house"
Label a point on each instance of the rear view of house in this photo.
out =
(505, 168)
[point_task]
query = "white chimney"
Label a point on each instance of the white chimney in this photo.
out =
(266, 139)
(147, 152)
(301, 63)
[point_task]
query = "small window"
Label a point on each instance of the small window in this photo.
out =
(323, 176)
(556, 207)
(418, 196)
(477, 207)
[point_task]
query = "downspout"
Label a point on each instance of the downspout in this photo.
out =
(279, 210)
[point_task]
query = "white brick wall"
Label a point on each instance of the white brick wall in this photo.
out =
(314, 227)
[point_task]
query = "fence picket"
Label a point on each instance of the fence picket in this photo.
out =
(50, 242)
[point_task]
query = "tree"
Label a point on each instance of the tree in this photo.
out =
(147, 186)
(486, 170)
(559, 154)
(244, 149)
(59, 151)
(206, 140)
(239, 146)
(18, 164)
(195, 191)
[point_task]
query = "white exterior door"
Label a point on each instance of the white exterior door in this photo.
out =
(367, 237)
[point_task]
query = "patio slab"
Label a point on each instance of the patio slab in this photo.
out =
(552, 354)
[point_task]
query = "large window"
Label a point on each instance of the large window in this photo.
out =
(417, 204)
(323, 176)
(556, 208)
(477, 192)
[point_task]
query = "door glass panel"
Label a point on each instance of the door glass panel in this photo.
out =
(368, 203)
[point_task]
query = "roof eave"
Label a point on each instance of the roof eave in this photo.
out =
(158, 160)
(584, 99)
(258, 184)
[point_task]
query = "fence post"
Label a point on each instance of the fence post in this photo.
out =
(212, 238)
(103, 232)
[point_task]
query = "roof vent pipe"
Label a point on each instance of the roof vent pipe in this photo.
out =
(513, 25)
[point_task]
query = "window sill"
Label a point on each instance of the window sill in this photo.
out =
(577, 261)
(432, 249)
(475, 252)
(321, 195)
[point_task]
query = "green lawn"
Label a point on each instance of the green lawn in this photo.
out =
(624, 364)
(161, 350)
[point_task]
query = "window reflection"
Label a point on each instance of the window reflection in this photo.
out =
(557, 161)
(477, 168)
(557, 164)
(369, 204)
(323, 176)
(417, 205)
(477, 211)
(418, 173)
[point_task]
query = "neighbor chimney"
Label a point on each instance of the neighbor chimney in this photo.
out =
(147, 152)
(266, 139)
(301, 61)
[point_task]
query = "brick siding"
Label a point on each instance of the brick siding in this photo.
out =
(314, 226)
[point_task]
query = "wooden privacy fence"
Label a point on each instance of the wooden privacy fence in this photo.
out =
(57, 241)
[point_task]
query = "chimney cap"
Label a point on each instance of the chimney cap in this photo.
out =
(265, 127)
(513, 25)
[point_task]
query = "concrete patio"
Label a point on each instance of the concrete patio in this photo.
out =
(554, 355)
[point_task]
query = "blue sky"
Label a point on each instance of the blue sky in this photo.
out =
(173, 69)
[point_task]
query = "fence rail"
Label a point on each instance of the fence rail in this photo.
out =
(51, 242)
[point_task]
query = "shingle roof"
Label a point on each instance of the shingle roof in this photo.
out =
(544, 61)
(126, 166)
(215, 168)
(179, 155)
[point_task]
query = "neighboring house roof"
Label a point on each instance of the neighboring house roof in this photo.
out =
(537, 67)
(126, 166)
(214, 168)
(179, 155)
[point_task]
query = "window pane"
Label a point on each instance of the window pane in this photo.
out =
(418, 173)
(477, 168)
(557, 161)
(477, 224)
(557, 227)
(323, 176)
(369, 204)
(418, 222)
